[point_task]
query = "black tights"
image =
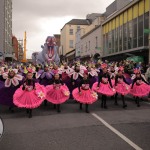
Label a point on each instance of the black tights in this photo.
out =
(104, 100)
(123, 100)
(29, 111)
(86, 107)
(57, 107)
(137, 100)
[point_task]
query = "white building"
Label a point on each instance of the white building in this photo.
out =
(89, 40)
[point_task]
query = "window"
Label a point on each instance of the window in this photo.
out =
(71, 43)
(71, 31)
(125, 33)
(86, 47)
(135, 33)
(96, 42)
(89, 45)
(109, 42)
(106, 44)
(120, 38)
(113, 40)
(116, 41)
(78, 28)
(130, 35)
(146, 26)
(81, 48)
(140, 31)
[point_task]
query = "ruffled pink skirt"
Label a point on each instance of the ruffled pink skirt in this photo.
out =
(140, 90)
(104, 89)
(30, 100)
(86, 96)
(57, 96)
(122, 88)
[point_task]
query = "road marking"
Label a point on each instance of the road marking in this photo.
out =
(117, 132)
(147, 103)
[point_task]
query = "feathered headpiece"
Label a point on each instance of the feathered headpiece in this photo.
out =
(121, 68)
(99, 61)
(86, 72)
(30, 70)
(104, 66)
(55, 72)
(137, 70)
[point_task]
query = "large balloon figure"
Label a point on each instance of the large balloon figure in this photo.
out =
(49, 53)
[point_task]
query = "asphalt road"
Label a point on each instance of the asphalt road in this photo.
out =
(73, 129)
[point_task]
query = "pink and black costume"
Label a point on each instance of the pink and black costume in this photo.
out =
(139, 88)
(57, 93)
(104, 87)
(84, 95)
(121, 87)
(30, 95)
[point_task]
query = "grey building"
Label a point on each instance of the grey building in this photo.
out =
(6, 29)
(115, 6)
(126, 31)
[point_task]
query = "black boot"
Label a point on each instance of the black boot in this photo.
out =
(30, 113)
(80, 106)
(102, 103)
(45, 102)
(105, 99)
(58, 108)
(54, 106)
(27, 111)
(124, 104)
(87, 108)
(116, 102)
(138, 102)
(112, 97)
(11, 109)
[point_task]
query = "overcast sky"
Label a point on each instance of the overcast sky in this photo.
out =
(41, 18)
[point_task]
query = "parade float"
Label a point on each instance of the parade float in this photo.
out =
(49, 53)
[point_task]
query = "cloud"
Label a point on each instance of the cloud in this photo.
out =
(41, 18)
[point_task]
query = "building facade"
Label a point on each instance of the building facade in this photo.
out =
(20, 50)
(123, 31)
(15, 45)
(89, 40)
(68, 36)
(6, 29)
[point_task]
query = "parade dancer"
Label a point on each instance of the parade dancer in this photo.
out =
(65, 72)
(112, 73)
(83, 94)
(46, 78)
(121, 86)
(93, 74)
(30, 95)
(11, 83)
(58, 92)
(76, 77)
(140, 87)
(104, 85)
